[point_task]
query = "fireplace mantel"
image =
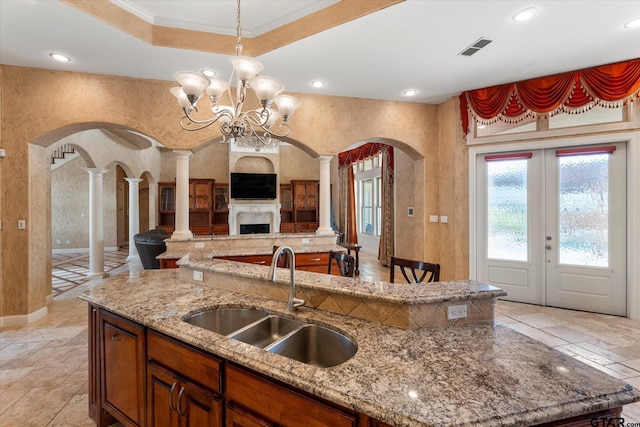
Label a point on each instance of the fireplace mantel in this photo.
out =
(254, 213)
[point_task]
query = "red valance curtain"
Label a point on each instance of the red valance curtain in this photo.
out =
(365, 151)
(608, 85)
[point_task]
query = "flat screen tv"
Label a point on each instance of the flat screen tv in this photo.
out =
(253, 186)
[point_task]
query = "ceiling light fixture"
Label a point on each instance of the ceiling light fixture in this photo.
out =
(410, 92)
(252, 127)
(60, 57)
(525, 14)
(318, 83)
(208, 73)
(634, 23)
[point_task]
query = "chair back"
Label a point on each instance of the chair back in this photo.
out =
(415, 267)
(345, 263)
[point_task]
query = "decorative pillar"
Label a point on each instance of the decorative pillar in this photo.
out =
(325, 196)
(181, 230)
(96, 226)
(134, 217)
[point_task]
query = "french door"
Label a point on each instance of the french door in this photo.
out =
(552, 226)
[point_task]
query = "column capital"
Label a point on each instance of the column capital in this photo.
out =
(183, 153)
(96, 171)
(133, 180)
(325, 158)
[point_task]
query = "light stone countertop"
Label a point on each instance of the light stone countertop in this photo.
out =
(376, 290)
(469, 375)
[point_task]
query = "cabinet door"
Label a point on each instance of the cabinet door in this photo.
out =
(311, 192)
(200, 195)
(238, 417)
(123, 369)
(97, 414)
(161, 394)
(198, 407)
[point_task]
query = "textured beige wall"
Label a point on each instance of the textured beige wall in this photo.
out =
(453, 201)
(409, 231)
(77, 102)
(296, 164)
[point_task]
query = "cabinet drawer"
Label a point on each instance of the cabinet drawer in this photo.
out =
(197, 366)
(280, 404)
(312, 259)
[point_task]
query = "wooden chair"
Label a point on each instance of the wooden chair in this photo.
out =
(345, 263)
(415, 267)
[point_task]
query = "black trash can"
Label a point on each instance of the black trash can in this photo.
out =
(150, 244)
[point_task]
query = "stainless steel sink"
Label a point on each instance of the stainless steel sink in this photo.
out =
(266, 331)
(225, 320)
(308, 343)
(316, 345)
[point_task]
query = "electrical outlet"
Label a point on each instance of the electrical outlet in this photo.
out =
(444, 219)
(305, 241)
(22, 224)
(457, 311)
(433, 218)
(197, 275)
(58, 242)
(199, 245)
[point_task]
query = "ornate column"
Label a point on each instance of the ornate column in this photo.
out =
(96, 226)
(134, 217)
(181, 230)
(325, 196)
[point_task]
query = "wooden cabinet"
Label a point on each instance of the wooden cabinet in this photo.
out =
(220, 220)
(122, 368)
(287, 224)
(200, 206)
(270, 401)
(316, 262)
(305, 205)
(96, 412)
(183, 385)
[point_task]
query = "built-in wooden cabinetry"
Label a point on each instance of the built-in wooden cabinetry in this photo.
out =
(220, 219)
(287, 225)
(208, 206)
(305, 205)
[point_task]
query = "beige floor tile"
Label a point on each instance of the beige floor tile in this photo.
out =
(538, 334)
(568, 334)
(633, 364)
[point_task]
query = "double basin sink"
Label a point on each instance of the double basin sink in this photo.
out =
(305, 342)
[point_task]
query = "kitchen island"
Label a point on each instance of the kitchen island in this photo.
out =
(476, 374)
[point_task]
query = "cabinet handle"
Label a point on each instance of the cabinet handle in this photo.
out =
(179, 402)
(259, 262)
(173, 387)
(117, 337)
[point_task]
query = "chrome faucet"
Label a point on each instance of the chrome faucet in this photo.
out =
(291, 260)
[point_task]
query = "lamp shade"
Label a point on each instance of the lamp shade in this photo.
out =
(193, 84)
(246, 67)
(217, 87)
(180, 96)
(266, 87)
(287, 105)
(274, 115)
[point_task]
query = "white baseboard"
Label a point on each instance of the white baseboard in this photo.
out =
(23, 319)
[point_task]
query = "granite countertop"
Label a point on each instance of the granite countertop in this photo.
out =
(376, 290)
(470, 375)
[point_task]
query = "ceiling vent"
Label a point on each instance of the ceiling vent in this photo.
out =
(475, 46)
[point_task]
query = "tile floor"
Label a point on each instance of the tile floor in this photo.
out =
(43, 366)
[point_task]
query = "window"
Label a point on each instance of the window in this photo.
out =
(368, 176)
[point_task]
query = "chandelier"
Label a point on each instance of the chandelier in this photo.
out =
(256, 126)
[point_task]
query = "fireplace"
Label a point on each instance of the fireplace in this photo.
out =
(254, 214)
(254, 228)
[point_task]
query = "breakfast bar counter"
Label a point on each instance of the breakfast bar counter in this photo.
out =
(476, 374)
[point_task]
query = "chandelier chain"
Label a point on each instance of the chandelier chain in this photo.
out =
(238, 27)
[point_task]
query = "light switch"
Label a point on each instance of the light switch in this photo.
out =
(410, 211)
(433, 218)
(444, 219)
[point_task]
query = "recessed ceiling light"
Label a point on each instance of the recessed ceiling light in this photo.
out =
(410, 92)
(318, 83)
(208, 73)
(525, 14)
(634, 23)
(60, 57)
